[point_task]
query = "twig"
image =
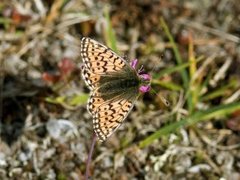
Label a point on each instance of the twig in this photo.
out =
(221, 73)
(233, 97)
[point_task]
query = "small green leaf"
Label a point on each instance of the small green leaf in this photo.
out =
(57, 100)
(79, 99)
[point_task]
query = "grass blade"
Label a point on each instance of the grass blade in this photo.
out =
(109, 32)
(179, 60)
(221, 110)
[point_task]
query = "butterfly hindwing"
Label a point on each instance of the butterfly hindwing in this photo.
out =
(110, 115)
(94, 101)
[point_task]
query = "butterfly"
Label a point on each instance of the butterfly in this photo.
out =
(115, 85)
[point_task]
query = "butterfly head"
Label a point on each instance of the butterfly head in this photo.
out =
(144, 77)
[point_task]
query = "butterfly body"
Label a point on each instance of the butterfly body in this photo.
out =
(114, 83)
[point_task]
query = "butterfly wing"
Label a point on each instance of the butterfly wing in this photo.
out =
(100, 59)
(91, 79)
(109, 115)
(102, 67)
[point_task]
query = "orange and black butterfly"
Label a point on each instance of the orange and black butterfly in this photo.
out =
(115, 85)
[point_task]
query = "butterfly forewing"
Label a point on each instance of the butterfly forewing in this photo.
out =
(113, 84)
(91, 79)
(99, 59)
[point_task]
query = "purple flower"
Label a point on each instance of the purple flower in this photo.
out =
(144, 89)
(134, 63)
(145, 77)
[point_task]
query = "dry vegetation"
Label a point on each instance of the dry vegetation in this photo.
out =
(192, 50)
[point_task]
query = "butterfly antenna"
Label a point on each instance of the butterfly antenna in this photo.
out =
(90, 156)
(155, 67)
(141, 69)
(163, 100)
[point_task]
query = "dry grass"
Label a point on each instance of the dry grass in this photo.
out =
(193, 51)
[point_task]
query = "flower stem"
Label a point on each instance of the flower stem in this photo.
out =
(90, 157)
